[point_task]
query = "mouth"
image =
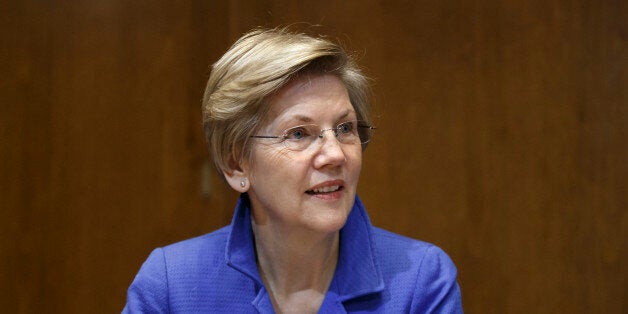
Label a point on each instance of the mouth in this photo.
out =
(325, 190)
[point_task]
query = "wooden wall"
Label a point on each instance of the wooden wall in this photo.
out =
(502, 138)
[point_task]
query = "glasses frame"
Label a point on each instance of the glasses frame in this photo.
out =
(359, 124)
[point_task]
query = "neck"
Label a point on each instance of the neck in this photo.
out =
(294, 264)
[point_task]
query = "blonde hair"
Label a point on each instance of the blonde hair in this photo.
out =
(257, 65)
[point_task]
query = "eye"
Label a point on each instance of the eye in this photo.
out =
(346, 128)
(296, 133)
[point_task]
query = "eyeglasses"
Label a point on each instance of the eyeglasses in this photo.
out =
(302, 136)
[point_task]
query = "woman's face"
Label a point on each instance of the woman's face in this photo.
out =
(311, 189)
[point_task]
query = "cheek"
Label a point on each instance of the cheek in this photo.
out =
(355, 159)
(270, 163)
(271, 154)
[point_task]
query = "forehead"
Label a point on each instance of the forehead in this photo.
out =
(310, 98)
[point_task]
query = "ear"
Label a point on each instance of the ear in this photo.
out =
(237, 176)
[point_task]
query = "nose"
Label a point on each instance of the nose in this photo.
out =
(330, 152)
(334, 131)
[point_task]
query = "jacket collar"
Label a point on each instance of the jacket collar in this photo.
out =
(357, 273)
(240, 250)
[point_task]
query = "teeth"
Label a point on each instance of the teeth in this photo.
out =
(326, 189)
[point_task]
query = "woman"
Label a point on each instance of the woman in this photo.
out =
(286, 118)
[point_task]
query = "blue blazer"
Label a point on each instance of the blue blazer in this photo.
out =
(377, 272)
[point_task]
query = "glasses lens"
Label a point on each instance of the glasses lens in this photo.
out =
(300, 137)
(350, 132)
(347, 132)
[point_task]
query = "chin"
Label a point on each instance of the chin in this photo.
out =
(329, 222)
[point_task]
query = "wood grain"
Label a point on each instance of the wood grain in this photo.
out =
(502, 131)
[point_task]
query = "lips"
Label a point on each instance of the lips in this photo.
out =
(326, 188)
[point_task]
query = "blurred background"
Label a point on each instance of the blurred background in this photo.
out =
(502, 137)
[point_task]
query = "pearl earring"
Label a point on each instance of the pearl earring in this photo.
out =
(243, 183)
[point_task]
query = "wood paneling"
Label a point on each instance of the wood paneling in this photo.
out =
(502, 138)
(102, 146)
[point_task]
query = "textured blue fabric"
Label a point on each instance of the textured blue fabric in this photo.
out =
(377, 272)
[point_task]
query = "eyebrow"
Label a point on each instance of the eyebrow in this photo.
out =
(300, 118)
(307, 119)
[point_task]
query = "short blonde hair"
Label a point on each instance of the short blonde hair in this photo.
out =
(256, 66)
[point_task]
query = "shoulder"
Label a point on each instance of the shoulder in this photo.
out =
(209, 247)
(193, 256)
(393, 247)
(168, 267)
(395, 252)
(418, 269)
